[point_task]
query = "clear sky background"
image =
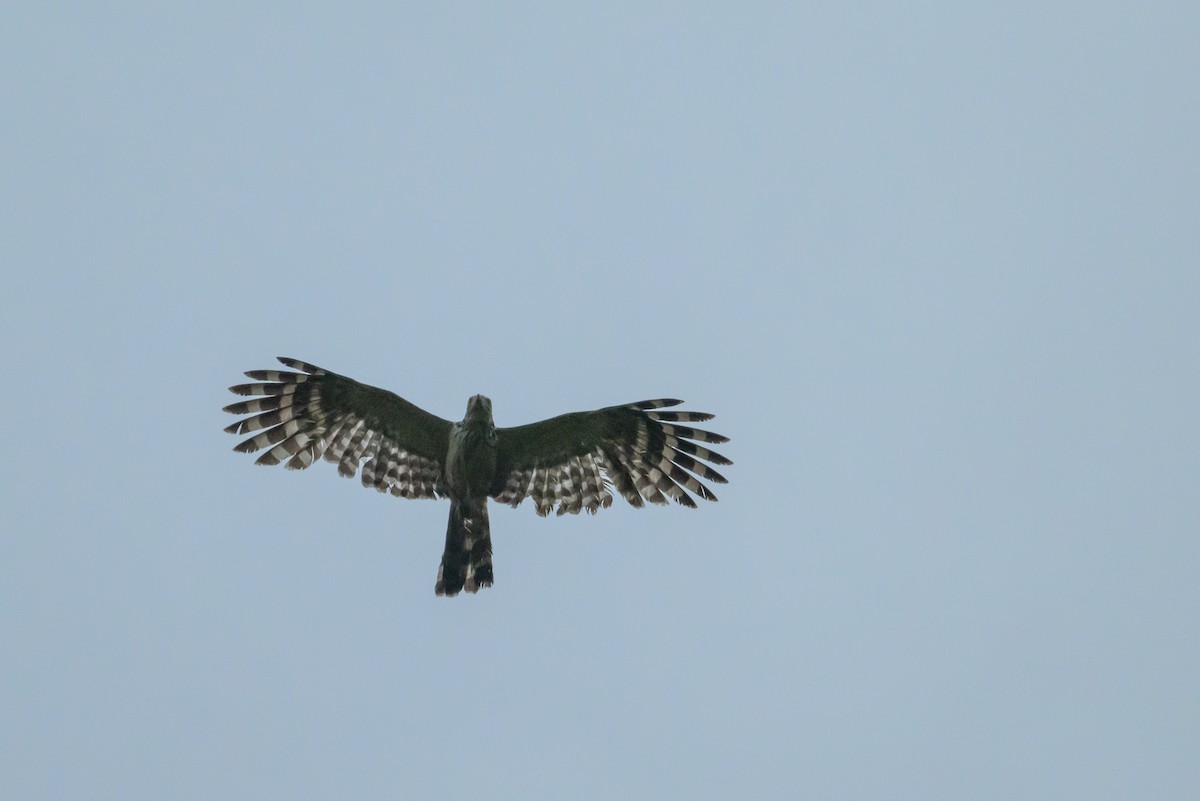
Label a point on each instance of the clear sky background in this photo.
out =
(934, 266)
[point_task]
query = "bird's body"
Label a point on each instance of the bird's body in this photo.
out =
(568, 463)
(471, 456)
(470, 471)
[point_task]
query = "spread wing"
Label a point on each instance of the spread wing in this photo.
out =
(313, 413)
(572, 460)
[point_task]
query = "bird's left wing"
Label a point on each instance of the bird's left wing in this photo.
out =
(313, 413)
(570, 461)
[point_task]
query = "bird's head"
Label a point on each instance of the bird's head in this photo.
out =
(479, 408)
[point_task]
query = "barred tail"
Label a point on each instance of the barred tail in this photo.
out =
(467, 560)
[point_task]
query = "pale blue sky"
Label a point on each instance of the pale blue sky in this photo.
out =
(934, 266)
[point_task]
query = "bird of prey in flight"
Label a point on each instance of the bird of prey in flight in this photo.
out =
(569, 463)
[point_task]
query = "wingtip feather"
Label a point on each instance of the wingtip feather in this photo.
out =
(297, 364)
(659, 403)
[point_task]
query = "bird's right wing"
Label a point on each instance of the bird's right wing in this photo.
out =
(571, 460)
(306, 415)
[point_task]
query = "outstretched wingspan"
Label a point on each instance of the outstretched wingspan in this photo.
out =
(313, 413)
(567, 463)
(570, 460)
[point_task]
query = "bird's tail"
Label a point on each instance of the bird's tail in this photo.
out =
(467, 560)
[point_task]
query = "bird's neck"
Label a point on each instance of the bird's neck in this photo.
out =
(476, 427)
